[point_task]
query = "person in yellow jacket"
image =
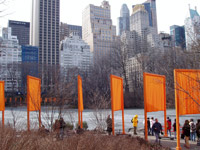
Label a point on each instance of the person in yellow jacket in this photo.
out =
(135, 123)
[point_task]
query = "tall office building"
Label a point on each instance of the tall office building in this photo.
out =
(123, 22)
(150, 7)
(21, 30)
(29, 54)
(75, 28)
(192, 28)
(75, 53)
(10, 58)
(97, 29)
(139, 23)
(67, 29)
(178, 36)
(45, 25)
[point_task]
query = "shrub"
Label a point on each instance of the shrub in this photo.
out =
(69, 126)
(85, 125)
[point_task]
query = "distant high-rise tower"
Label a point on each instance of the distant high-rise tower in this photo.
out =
(150, 7)
(178, 36)
(21, 30)
(192, 28)
(45, 30)
(67, 29)
(97, 29)
(123, 22)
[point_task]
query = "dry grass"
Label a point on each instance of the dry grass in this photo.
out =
(89, 140)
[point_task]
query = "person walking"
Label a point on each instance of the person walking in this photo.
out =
(62, 127)
(169, 124)
(148, 126)
(157, 128)
(151, 125)
(174, 128)
(109, 125)
(192, 130)
(198, 129)
(186, 132)
(135, 123)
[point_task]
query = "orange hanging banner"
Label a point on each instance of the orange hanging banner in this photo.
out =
(154, 96)
(80, 94)
(80, 101)
(33, 97)
(187, 93)
(2, 96)
(33, 93)
(2, 100)
(45, 100)
(117, 98)
(155, 92)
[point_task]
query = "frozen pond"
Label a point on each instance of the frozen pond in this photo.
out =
(18, 117)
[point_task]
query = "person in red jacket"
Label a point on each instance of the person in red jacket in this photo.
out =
(169, 126)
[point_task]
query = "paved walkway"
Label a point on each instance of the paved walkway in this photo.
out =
(166, 142)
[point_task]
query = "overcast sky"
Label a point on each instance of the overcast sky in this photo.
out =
(169, 12)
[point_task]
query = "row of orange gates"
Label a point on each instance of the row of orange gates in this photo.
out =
(19, 99)
(186, 87)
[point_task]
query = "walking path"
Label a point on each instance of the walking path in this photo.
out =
(166, 142)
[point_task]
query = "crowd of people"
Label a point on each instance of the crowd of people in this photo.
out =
(189, 130)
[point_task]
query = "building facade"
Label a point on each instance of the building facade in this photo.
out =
(192, 28)
(67, 29)
(165, 40)
(178, 36)
(98, 31)
(75, 53)
(139, 23)
(29, 54)
(10, 60)
(123, 22)
(21, 30)
(150, 7)
(45, 26)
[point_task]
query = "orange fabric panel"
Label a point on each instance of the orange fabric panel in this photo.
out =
(80, 94)
(154, 86)
(188, 91)
(2, 96)
(45, 100)
(33, 93)
(117, 93)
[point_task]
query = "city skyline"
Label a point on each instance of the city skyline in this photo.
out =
(168, 12)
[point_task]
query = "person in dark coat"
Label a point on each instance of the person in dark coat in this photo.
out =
(109, 124)
(174, 128)
(157, 128)
(198, 129)
(148, 126)
(62, 127)
(186, 132)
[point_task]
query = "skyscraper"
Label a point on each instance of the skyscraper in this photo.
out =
(97, 29)
(178, 36)
(21, 30)
(67, 29)
(192, 28)
(123, 22)
(139, 23)
(150, 7)
(75, 53)
(10, 59)
(45, 30)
